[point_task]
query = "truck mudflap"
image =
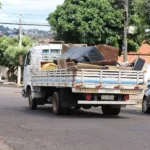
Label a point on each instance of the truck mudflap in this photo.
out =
(93, 102)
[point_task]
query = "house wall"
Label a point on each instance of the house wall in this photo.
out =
(3, 70)
(133, 57)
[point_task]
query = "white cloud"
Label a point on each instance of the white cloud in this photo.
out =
(39, 10)
(10, 1)
(32, 4)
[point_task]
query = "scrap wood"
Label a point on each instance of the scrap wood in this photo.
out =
(104, 62)
(65, 63)
(89, 66)
(119, 68)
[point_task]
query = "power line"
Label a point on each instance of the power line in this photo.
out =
(8, 15)
(36, 15)
(29, 15)
(25, 24)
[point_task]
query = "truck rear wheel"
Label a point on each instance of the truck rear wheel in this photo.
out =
(32, 103)
(56, 106)
(87, 106)
(107, 110)
(77, 107)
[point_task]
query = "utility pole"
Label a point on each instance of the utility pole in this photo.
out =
(20, 45)
(20, 32)
(126, 5)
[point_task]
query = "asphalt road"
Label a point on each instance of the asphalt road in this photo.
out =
(23, 129)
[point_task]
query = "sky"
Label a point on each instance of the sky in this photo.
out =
(33, 11)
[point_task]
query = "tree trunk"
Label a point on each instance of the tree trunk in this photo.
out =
(11, 74)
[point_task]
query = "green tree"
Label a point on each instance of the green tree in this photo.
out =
(138, 16)
(10, 52)
(147, 19)
(99, 21)
(87, 21)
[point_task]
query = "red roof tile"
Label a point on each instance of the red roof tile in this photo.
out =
(143, 50)
(133, 57)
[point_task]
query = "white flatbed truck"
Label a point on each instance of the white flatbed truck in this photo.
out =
(86, 88)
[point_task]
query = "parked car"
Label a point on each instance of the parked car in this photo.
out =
(146, 100)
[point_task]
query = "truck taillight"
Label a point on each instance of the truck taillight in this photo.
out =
(126, 97)
(88, 96)
(136, 88)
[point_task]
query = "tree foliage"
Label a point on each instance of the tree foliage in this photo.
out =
(99, 21)
(10, 52)
(138, 16)
(87, 21)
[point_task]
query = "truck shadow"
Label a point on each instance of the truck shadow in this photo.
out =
(46, 111)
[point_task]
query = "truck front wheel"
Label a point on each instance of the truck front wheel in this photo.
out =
(56, 106)
(32, 103)
(107, 110)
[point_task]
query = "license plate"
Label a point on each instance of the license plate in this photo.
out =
(87, 90)
(107, 97)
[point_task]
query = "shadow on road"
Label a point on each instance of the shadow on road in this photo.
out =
(134, 112)
(73, 114)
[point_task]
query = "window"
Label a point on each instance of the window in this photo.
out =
(45, 54)
(48, 54)
(45, 51)
(55, 51)
(51, 51)
(28, 59)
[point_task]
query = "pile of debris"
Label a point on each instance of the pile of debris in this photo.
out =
(92, 57)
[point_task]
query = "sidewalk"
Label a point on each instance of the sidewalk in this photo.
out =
(10, 84)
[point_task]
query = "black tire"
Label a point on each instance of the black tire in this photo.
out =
(77, 107)
(87, 106)
(67, 111)
(107, 110)
(56, 106)
(32, 103)
(145, 108)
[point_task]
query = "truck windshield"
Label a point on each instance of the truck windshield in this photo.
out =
(51, 51)
(48, 54)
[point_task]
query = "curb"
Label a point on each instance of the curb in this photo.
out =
(7, 85)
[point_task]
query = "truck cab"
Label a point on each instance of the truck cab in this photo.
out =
(44, 52)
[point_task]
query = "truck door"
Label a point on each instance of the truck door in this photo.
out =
(27, 70)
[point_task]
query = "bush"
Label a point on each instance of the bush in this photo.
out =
(13, 78)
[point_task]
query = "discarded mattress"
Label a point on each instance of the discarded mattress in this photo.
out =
(83, 54)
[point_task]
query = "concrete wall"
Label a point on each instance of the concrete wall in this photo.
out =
(3, 70)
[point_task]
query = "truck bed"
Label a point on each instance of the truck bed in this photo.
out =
(95, 79)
